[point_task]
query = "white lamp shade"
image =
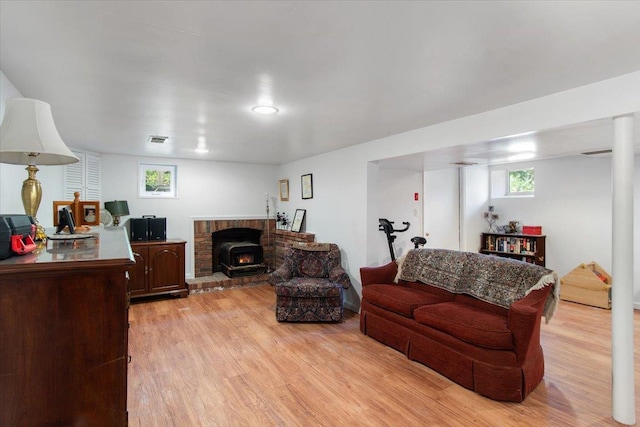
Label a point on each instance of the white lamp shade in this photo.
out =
(28, 127)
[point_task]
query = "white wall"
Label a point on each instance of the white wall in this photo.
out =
(397, 189)
(204, 189)
(572, 203)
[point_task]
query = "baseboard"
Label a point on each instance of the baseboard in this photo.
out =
(353, 307)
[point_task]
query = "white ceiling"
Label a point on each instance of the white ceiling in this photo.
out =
(589, 137)
(341, 73)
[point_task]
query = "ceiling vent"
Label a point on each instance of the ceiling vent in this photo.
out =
(155, 139)
(464, 163)
(597, 152)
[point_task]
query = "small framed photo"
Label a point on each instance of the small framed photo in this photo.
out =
(298, 219)
(89, 213)
(157, 181)
(307, 186)
(283, 185)
(57, 208)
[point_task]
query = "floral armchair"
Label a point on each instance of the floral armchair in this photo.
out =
(310, 284)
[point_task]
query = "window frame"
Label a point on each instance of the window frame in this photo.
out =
(169, 193)
(509, 193)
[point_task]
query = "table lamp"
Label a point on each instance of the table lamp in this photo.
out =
(28, 136)
(117, 208)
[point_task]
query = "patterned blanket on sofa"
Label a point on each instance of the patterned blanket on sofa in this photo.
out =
(500, 281)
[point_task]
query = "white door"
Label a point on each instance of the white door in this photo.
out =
(442, 208)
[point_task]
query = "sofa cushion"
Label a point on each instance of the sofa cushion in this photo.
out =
(482, 305)
(399, 299)
(468, 323)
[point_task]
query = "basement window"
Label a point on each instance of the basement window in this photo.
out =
(521, 182)
(512, 183)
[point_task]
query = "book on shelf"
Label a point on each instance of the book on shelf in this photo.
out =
(515, 245)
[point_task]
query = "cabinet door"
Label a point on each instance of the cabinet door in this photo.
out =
(138, 274)
(166, 267)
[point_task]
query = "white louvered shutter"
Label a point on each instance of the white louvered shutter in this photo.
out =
(83, 176)
(92, 177)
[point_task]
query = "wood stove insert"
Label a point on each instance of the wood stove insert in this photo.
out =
(241, 259)
(237, 252)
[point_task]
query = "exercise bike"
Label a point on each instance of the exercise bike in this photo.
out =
(387, 226)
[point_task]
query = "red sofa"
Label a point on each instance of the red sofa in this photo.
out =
(457, 313)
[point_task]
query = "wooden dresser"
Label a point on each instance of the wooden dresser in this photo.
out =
(63, 333)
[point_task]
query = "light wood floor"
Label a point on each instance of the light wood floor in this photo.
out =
(221, 359)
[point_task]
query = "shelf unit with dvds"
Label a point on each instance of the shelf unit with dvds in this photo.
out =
(524, 247)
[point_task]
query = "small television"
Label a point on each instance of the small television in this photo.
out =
(65, 219)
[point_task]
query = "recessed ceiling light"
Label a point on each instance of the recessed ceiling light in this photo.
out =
(521, 156)
(202, 145)
(517, 135)
(264, 109)
(522, 147)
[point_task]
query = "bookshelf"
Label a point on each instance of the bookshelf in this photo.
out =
(524, 247)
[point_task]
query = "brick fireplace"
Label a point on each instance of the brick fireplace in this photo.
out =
(203, 247)
(204, 276)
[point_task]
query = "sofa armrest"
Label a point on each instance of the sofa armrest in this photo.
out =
(384, 274)
(281, 274)
(338, 275)
(525, 317)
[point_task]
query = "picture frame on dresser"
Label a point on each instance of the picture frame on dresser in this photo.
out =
(84, 212)
(57, 210)
(89, 213)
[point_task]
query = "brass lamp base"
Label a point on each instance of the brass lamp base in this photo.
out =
(31, 198)
(31, 192)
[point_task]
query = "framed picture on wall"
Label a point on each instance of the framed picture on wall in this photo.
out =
(307, 186)
(283, 185)
(298, 219)
(157, 181)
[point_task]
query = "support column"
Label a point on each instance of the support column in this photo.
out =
(622, 346)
